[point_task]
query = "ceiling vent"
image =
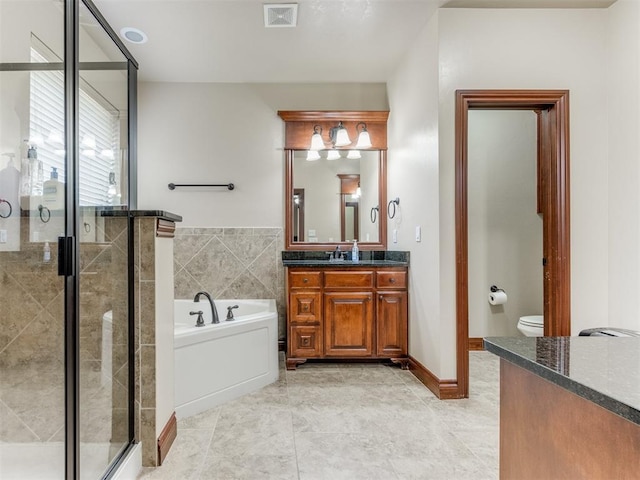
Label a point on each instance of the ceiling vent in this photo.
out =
(280, 15)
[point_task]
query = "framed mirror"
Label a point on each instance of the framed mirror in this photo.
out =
(331, 201)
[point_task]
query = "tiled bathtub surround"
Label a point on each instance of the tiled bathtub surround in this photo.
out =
(231, 263)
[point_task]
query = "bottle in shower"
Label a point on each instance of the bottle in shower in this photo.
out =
(35, 171)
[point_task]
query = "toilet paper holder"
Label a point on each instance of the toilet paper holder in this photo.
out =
(495, 289)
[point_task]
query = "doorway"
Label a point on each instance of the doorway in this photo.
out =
(552, 109)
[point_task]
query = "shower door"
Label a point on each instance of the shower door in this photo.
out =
(32, 295)
(65, 336)
(103, 239)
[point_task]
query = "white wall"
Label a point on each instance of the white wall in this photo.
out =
(502, 49)
(220, 133)
(624, 165)
(504, 228)
(413, 176)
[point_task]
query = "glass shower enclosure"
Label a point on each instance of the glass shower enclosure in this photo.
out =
(67, 138)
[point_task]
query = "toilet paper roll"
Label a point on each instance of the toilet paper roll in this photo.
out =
(497, 298)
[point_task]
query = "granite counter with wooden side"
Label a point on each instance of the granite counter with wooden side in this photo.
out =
(569, 407)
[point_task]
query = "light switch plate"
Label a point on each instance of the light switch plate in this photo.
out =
(418, 233)
(395, 235)
(3, 236)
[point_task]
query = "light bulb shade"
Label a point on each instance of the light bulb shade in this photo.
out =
(312, 155)
(333, 155)
(364, 141)
(316, 142)
(341, 136)
(358, 193)
(316, 139)
(354, 154)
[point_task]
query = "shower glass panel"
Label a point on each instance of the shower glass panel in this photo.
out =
(65, 341)
(103, 235)
(32, 380)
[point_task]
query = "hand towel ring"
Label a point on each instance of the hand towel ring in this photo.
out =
(374, 214)
(2, 200)
(392, 213)
(46, 216)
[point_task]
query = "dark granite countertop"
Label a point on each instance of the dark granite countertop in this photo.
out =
(603, 370)
(141, 213)
(368, 258)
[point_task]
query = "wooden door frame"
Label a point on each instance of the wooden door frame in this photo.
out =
(552, 107)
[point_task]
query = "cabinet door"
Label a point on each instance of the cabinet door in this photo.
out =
(305, 342)
(348, 324)
(305, 307)
(391, 324)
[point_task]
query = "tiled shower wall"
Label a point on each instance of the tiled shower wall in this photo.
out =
(231, 263)
(32, 341)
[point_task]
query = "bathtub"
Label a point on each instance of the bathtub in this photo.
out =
(219, 362)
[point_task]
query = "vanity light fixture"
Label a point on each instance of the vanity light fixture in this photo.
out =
(364, 141)
(339, 136)
(312, 155)
(333, 154)
(316, 139)
(358, 193)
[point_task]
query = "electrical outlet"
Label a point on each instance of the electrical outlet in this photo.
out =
(418, 233)
(3, 236)
(395, 235)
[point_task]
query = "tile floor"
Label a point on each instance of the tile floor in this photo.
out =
(344, 421)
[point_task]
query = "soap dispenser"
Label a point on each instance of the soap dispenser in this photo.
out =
(53, 192)
(355, 254)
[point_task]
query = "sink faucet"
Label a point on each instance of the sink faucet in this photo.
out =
(214, 311)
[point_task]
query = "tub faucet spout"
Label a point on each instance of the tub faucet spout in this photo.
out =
(214, 311)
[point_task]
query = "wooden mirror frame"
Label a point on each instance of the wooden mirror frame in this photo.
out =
(298, 130)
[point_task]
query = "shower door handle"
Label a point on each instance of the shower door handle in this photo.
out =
(66, 257)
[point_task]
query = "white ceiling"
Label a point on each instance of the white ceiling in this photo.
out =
(334, 41)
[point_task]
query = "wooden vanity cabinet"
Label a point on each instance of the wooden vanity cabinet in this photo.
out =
(354, 312)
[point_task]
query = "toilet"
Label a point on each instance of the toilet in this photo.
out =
(531, 325)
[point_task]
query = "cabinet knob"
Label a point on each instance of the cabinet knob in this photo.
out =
(392, 280)
(305, 280)
(380, 297)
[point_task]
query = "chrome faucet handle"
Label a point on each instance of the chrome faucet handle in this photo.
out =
(200, 320)
(230, 312)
